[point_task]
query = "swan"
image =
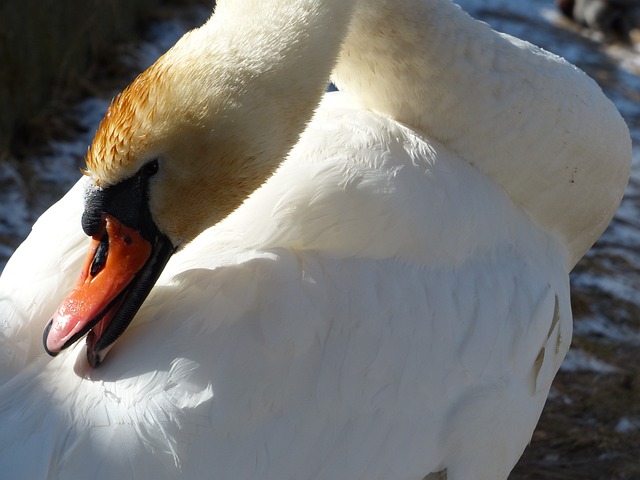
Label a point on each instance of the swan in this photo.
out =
(371, 283)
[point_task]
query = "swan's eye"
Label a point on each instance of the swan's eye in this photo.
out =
(149, 169)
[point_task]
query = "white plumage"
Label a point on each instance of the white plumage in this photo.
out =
(392, 303)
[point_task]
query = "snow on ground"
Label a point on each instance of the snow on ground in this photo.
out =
(581, 361)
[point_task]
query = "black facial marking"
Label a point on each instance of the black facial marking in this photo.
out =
(127, 200)
(100, 257)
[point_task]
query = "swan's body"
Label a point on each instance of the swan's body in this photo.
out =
(392, 303)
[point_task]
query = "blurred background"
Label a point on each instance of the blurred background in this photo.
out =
(62, 61)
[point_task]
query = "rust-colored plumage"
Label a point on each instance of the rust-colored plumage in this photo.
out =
(124, 131)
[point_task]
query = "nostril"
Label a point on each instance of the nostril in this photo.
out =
(100, 257)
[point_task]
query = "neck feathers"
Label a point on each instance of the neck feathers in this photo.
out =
(533, 123)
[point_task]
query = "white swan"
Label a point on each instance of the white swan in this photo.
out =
(392, 302)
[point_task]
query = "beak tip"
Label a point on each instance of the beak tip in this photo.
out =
(45, 335)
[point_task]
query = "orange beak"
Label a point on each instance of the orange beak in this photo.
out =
(116, 255)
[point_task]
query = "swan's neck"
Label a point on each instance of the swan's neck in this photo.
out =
(533, 123)
(274, 60)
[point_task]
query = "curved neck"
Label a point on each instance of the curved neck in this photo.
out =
(535, 124)
(284, 51)
(531, 122)
(230, 99)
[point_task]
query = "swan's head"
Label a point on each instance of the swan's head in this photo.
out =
(177, 151)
